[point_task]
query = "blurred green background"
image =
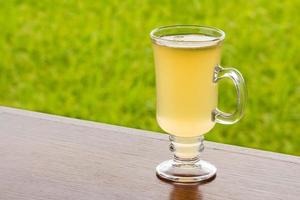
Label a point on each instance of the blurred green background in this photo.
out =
(93, 60)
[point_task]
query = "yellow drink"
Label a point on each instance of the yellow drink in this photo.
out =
(186, 93)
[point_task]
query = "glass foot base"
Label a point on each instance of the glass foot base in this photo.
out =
(199, 171)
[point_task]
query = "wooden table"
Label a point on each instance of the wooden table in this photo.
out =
(50, 157)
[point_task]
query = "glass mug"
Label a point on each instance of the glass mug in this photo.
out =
(187, 72)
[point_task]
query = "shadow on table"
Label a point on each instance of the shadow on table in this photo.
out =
(186, 191)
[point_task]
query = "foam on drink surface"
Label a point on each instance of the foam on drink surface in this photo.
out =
(187, 41)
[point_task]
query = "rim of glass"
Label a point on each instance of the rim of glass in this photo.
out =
(157, 34)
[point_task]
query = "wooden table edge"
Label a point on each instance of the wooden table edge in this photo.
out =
(148, 134)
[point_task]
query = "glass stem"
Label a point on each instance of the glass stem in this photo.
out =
(186, 149)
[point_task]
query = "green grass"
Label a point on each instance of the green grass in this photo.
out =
(93, 60)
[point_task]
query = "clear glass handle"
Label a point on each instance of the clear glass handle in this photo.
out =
(238, 80)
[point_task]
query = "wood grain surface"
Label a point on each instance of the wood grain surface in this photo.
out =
(50, 157)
